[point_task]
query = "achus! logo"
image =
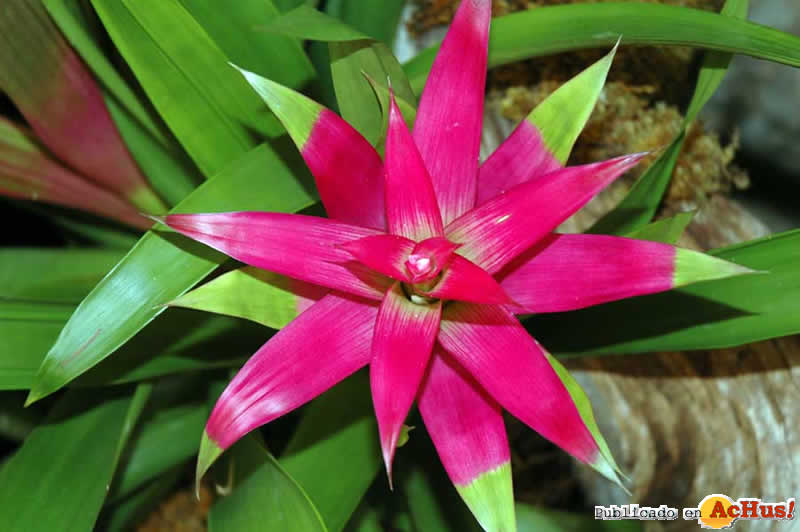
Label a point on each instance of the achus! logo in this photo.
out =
(719, 511)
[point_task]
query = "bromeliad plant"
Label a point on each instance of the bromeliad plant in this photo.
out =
(428, 255)
(422, 269)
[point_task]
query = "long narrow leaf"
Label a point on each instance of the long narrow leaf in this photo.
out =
(337, 439)
(121, 517)
(548, 30)
(165, 441)
(28, 273)
(65, 491)
(167, 167)
(380, 18)
(353, 52)
(708, 315)
(176, 79)
(265, 497)
(161, 267)
(238, 34)
(52, 87)
(180, 342)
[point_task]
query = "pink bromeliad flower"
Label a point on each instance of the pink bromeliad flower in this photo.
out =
(424, 262)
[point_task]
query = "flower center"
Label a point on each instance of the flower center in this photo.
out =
(420, 266)
(414, 292)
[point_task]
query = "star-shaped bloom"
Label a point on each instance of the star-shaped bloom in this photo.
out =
(424, 261)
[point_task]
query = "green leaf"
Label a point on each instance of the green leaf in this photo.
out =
(337, 439)
(265, 498)
(378, 18)
(141, 395)
(372, 21)
(182, 341)
(562, 115)
(166, 440)
(167, 168)
(24, 344)
(64, 492)
(709, 315)
(667, 230)
(287, 5)
(354, 93)
(367, 518)
(122, 517)
(408, 111)
(640, 204)
(433, 501)
(548, 30)
(306, 22)
(343, 20)
(94, 230)
(24, 310)
(174, 60)
(29, 273)
(16, 422)
(162, 266)
(352, 54)
(248, 293)
(715, 65)
(605, 463)
(238, 34)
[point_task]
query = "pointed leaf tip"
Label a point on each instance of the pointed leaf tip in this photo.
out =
(32, 398)
(693, 266)
(297, 113)
(490, 498)
(209, 452)
(609, 470)
(157, 219)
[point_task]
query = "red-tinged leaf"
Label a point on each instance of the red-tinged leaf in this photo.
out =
(411, 208)
(400, 258)
(541, 143)
(347, 169)
(489, 342)
(404, 337)
(568, 272)
(325, 344)
(28, 172)
(448, 125)
(386, 254)
(302, 247)
(499, 230)
(61, 101)
(521, 157)
(464, 281)
(466, 426)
